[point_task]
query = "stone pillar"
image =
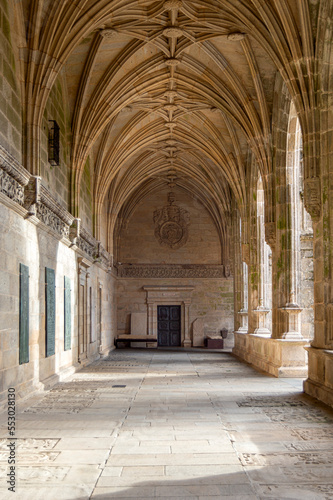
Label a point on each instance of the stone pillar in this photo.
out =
(83, 275)
(152, 326)
(187, 340)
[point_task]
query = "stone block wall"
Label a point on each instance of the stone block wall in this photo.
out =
(202, 246)
(57, 178)
(35, 245)
(306, 289)
(86, 208)
(10, 98)
(212, 299)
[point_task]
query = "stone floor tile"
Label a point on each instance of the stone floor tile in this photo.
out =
(192, 425)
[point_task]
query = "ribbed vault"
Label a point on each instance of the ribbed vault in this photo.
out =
(171, 89)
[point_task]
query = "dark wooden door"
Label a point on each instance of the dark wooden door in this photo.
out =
(168, 326)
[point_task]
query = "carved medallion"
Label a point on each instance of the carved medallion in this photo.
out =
(171, 224)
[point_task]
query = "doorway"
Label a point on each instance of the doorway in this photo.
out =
(168, 326)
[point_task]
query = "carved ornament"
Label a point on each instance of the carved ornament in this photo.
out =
(108, 33)
(171, 224)
(312, 197)
(172, 4)
(270, 234)
(11, 188)
(173, 32)
(50, 219)
(170, 271)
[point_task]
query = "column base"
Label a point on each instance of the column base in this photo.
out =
(319, 383)
(278, 357)
(187, 343)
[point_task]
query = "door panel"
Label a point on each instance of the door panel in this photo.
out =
(168, 326)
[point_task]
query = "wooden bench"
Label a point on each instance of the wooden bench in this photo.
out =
(135, 338)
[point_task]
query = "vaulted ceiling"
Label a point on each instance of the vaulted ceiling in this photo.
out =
(176, 91)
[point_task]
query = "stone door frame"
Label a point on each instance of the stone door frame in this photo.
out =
(170, 295)
(83, 287)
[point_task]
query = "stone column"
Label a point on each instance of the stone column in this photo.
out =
(319, 203)
(243, 312)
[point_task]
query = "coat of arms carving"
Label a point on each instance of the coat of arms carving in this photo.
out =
(171, 224)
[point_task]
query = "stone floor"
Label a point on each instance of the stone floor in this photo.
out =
(176, 425)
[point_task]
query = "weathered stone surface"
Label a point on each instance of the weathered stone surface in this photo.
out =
(198, 332)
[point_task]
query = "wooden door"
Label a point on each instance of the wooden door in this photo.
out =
(168, 326)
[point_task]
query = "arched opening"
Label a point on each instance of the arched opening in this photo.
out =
(264, 255)
(301, 232)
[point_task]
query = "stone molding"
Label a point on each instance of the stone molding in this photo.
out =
(27, 190)
(170, 271)
(171, 295)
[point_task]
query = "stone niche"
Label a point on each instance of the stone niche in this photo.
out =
(170, 295)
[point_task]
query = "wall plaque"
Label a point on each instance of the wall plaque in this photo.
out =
(67, 313)
(24, 315)
(49, 312)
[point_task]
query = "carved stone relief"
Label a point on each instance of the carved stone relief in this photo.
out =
(173, 271)
(51, 220)
(312, 197)
(11, 188)
(270, 234)
(171, 224)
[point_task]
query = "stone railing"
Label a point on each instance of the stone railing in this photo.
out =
(170, 271)
(27, 190)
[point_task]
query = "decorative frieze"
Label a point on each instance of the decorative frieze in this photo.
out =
(13, 168)
(28, 191)
(11, 188)
(13, 177)
(39, 202)
(51, 220)
(170, 271)
(87, 243)
(103, 256)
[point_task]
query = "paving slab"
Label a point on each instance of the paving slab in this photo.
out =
(188, 425)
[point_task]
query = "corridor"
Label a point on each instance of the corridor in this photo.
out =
(173, 425)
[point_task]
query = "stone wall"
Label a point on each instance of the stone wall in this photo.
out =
(202, 245)
(57, 178)
(39, 233)
(10, 99)
(212, 299)
(86, 208)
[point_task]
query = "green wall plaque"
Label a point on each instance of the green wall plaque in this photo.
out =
(67, 313)
(49, 312)
(24, 315)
